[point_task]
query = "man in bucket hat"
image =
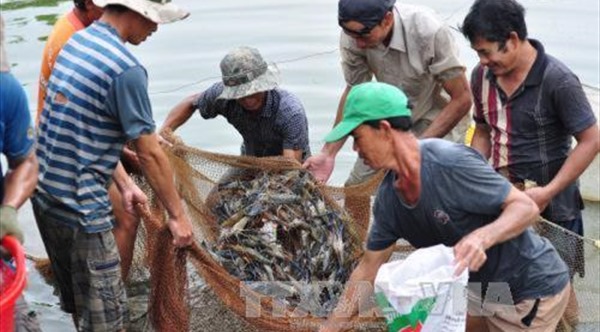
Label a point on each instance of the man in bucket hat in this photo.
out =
(97, 100)
(408, 47)
(83, 14)
(439, 192)
(528, 108)
(271, 121)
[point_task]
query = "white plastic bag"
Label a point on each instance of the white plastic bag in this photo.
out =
(421, 292)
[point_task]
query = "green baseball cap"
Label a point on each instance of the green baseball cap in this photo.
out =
(366, 102)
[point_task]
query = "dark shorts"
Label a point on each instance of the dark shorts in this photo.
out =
(87, 271)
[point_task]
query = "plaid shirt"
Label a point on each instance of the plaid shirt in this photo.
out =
(281, 124)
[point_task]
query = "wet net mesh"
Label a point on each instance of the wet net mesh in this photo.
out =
(582, 255)
(273, 249)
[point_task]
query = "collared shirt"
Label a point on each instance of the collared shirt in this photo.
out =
(281, 124)
(420, 51)
(532, 130)
(63, 29)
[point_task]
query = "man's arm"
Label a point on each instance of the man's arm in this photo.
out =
(455, 110)
(588, 146)
(518, 213)
(130, 192)
(482, 140)
(340, 110)
(356, 70)
(181, 113)
(321, 164)
(157, 170)
(358, 289)
(20, 180)
(19, 183)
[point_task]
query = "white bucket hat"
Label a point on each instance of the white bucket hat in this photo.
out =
(157, 11)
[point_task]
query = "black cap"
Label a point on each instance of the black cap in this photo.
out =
(368, 12)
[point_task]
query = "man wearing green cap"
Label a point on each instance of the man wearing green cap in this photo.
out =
(438, 192)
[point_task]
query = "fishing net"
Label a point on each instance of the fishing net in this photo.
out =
(249, 217)
(582, 255)
(272, 246)
(273, 249)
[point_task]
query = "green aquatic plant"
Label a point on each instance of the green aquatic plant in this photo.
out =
(49, 19)
(20, 4)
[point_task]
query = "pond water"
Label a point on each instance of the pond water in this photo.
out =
(301, 36)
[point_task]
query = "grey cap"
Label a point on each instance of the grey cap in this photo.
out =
(245, 72)
(367, 12)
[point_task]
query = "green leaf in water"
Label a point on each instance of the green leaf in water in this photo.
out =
(49, 19)
(20, 4)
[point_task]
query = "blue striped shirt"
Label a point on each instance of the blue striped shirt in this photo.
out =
(96, 100)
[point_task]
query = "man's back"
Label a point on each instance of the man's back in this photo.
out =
(80, 144)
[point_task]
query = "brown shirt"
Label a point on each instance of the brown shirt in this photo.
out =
(421, 55)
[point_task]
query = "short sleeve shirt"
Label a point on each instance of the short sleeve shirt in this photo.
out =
(281, 124)
(460, 192)
(133, 108)
(421, 49)
(16, 127)
(532, 130)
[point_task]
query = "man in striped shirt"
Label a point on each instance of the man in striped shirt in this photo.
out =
(83, 14)
(528, 107)
(96, 101)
